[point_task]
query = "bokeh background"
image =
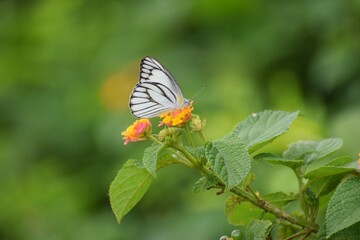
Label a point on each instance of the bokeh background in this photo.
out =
(67, 69)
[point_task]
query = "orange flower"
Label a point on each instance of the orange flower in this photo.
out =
(359, 161)
(137, 131)
(177, 117)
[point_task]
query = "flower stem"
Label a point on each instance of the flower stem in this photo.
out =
(185, 160)
(188, 136)
(191, 158)
(181, 158)
(201, 135)
(154, 139)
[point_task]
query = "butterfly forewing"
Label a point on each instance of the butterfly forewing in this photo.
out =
(156, 92)
(152, 71)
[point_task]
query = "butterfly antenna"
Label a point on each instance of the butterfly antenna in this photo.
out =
(201, 89)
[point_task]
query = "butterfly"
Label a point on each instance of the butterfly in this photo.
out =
(156, 93)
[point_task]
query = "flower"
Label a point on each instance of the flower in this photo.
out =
(196, 124)
(165, 133)
(137, 131)
(177, 117)
(359, 161)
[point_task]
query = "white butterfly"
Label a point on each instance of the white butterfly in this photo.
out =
(156, 92)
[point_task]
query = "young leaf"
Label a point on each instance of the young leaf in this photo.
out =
(261, 128)
(325, 185)
(150, 158)
(312, 150)
(128, 187)
(204, 183)
(326, 171)
(280, 199)
(325, 178)
(258, 230)
(344, 161)
(344, 207)
(278, 160)
(229, 160)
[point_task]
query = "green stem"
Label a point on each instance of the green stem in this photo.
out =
(290, 225)
(263, 204)
(188, 136)
(181, 159)
(154, 139)
(253, 193)
(249, 195)
(201, 135)
(185, 160)
(303, 202)
(298, 234)
(281, 214)
(195, 162)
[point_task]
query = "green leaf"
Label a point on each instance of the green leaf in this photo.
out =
(166, 156)
(350, 233)
(324, 179)
(261, 128)
(204, 183)
(344, 161)
(325, 185)
(240, 213)
(128, 187)
(327, 171)
(312, 150)
(344, 207)
(278, 160)
(229, 161)
(248, 179)
(150, 158)
(258, 230)
(198, 152)
(280, 199)
(321, 234)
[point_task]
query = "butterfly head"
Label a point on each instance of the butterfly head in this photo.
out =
(186, 102)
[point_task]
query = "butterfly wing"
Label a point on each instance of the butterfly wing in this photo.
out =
(156, 92)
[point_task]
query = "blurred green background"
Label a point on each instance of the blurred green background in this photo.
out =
(67, 69)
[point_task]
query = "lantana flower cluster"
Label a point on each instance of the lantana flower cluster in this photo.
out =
(141, 129)
(177, 118)
(137, 131)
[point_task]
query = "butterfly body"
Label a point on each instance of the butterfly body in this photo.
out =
(156, 93)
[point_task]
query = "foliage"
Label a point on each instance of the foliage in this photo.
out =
(66, 71)
(225, 164)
